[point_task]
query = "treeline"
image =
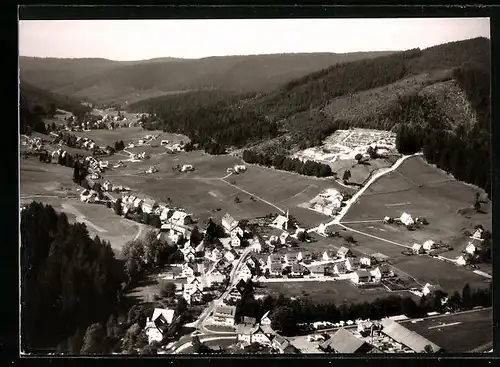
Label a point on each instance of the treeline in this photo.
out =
(308, 168)
(286, 314)
(47, 102)
(317, 89)
(29, 120)
(68, 280)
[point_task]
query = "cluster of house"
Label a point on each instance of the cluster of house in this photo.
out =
(238, 168)
(35, 144)
(152, 169)
(405, 219)
(472, 248)
(427, 247)
(252, 331)
(159, 323)
(108, 186)
(327, 202)
(147, 138)
(96, 167)
(386, 336)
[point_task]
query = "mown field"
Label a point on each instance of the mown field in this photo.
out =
(337, 292)
(422, 191)
(450, 277)
(52, 184)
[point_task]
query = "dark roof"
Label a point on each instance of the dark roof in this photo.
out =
(343, 341)
(249, 320)
(281, 341)
(402, 335)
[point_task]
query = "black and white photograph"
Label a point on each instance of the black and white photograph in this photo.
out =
(255, 186)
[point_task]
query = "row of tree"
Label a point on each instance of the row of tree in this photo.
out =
(68, 280)
(286, 313)
(308, 168)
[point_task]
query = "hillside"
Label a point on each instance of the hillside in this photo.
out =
(442, 91)
(50, 101)
(105, 81)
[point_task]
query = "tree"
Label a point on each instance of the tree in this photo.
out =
(477, 206)
(467, 296)
(358, 157)
(196, 236)
(302, 236)
(167, 290)
(117, 207)
(94, 340)
(282, 320)
(428, 349)
(347, 176)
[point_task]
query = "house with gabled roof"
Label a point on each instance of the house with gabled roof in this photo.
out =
(340, 268)
(471, 248)
(297, 270)
(148, 206)
(284, 238)
(345, 342)
(224, 315)
(158, 324)
(138, 203)
(360, 277)
(365, 261)
(245, 272)
(253, 334)
(282, 222)
(236, 241)
(180, 218)
(430, 288)
(231, 255)
(406, 219)
(478, 234)
(417, 248)
(229, 223)
(352, 263)
(344, 252)
(193, 295)
(429, 245)
(328, 256)
(379, 272)
(290, 258)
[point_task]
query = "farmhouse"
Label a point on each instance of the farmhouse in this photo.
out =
(187, 271)
(326, 229)
(281, 344)
(406, 219)
(417, 248)
(265, 320)
(177, 229)
(245, 272)
(275, 267)
(224, 315)
(344, 252)
(429, 245)
(352, 263)
(148, 206)
(193, 295)
(402, 335)
(380, 272)
(282, 222)
(290, 258)
(158, 324)
(429, 288)
(343, 341)
(360, 277)
(164, 214)
(137, 203)
(215, 255)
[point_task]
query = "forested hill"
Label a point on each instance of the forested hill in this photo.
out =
(106, 81)
(431, 92)
(49, 101)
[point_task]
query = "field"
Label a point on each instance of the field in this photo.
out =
(52, 184)
(127, 134)
(422, 191)
(458, 333)
(337, 292)
(450, 277)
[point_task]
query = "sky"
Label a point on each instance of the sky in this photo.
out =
(126, 40)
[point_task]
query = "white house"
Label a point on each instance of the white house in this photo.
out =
(325, 229)
(138, 203)
(187, 167)
(157, 325)
(379, 272)
(429, 288)
(164, 214)
(417, 248)
(352, 263)
(282, 222)
(340, 268)
(229, 223)
(245, 272)
(148, 206)
(187, 271)
(478, 234)
(360, 277)
(406, 219)
(463, 260)
(265, 320)
(107, 186)
(253, 334)
(235, 241)
(344, 252)
(366, 261)
(471, 248)
(179, 217)
(328, 256)
(299, 256)
(193, 295)
(429, 245)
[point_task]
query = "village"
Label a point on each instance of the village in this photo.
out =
(252, 253)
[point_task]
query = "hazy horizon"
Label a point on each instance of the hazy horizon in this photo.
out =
(136, 40)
